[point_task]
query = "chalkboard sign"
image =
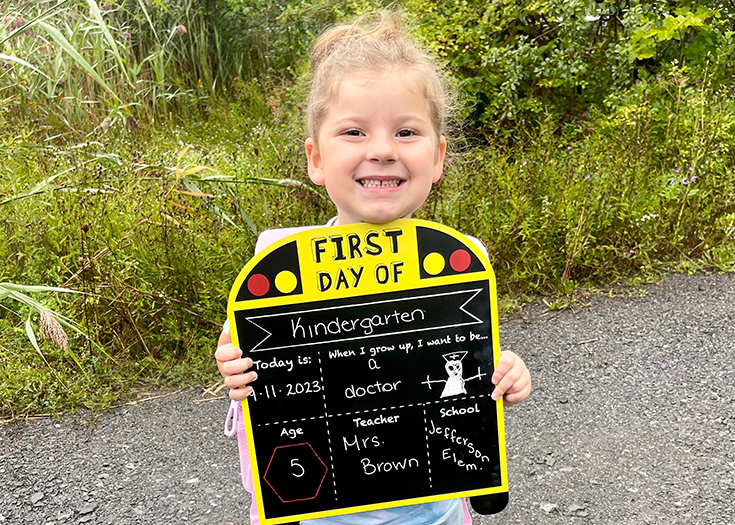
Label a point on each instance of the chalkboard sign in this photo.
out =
(374, 347)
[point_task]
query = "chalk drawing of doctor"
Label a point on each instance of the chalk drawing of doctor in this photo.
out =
(454, 384)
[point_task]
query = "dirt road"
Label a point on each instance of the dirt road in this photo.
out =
(632, 421)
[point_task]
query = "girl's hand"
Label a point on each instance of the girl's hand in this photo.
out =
(231, 366)
(511, 379)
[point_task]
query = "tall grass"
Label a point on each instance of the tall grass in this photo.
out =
(78, 65)
(151, 227)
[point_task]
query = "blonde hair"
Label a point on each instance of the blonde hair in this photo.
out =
(370, 50)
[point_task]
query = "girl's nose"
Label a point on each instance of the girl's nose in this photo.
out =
(382, 149)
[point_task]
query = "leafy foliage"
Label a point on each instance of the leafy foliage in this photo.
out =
(524, 60)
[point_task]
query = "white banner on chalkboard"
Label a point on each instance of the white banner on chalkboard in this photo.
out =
(347, 324)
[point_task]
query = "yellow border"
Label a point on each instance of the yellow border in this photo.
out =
(488, 274)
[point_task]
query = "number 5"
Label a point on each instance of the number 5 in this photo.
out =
(295, 463)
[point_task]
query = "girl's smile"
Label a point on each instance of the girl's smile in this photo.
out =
(379, 182)
(377, 152)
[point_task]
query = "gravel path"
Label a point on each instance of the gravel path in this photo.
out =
(632, 421)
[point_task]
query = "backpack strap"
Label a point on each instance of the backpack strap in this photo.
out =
(233, 414)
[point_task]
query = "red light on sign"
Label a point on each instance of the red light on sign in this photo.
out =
(460, 260)
(258, 285)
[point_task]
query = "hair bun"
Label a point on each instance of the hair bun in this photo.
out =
(386, 27)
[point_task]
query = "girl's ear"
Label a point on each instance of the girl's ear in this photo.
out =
(314, 159)
(441, 151)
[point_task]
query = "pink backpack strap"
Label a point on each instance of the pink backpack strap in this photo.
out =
(231, 420)
(467, 517)
(235, 424)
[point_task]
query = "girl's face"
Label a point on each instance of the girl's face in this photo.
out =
(377, 152)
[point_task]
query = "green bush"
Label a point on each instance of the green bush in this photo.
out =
(523, 61)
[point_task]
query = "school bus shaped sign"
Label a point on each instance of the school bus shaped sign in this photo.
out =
(374, 347)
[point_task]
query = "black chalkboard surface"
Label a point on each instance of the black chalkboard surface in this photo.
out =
(374, 347)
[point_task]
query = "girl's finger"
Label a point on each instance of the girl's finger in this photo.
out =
(226, 353)
(506, 382)
(238, 366)
(238, 394)
(240, 380)
(517, 397)
(505, 363)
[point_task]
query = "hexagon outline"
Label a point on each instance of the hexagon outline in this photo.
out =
(326, 469)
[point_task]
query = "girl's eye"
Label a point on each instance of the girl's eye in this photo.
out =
(352, 132)
(404, 133)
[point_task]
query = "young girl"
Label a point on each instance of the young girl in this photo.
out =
(376, 117)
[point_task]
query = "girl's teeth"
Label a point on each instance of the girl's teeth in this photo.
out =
(371, 183)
